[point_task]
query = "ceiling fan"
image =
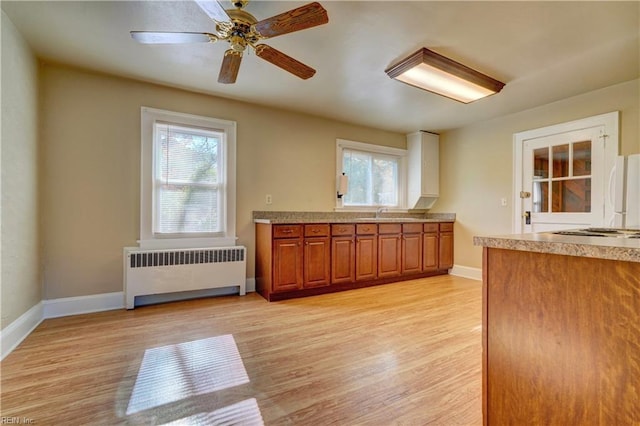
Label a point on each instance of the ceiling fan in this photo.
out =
(241, 29)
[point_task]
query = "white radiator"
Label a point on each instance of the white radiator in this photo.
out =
(148, 272)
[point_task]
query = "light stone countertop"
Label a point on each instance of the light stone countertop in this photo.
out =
(623, 249)
(290, 217)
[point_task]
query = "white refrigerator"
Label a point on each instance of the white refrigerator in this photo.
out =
(625, 194)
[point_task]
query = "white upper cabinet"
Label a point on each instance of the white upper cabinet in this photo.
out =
(423, 186)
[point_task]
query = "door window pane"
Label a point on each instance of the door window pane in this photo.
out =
(582, 158)
(540, 197)
(541, 163)
(560, 161)
(571, 196)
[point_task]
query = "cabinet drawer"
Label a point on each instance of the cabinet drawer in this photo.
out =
(411, 228)
(343, 229)
(287, 231)
(389, 228)
(317, 230)
(431, 227)
(446, 227)
(366, 228)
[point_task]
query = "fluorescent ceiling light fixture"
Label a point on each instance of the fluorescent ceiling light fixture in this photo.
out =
(435, 73)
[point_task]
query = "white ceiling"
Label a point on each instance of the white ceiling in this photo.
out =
(543, 51)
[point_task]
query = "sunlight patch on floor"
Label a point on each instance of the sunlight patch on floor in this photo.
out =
(176, 372)
(246, 413)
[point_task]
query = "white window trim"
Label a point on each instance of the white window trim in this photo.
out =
(342, 144)
(147, 240)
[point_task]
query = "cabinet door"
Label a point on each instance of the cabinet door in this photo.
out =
(389, 255)
(366, 257)
(411, 253)
(445, 255)
(316, 261)
(430, 252)
(343, 260)
(287, 264)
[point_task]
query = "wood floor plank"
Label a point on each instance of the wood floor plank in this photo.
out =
(402, 353)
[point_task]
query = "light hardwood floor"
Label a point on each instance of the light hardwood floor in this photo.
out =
(406, 353)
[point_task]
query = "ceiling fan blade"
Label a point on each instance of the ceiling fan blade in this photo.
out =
(151, 37)
(230, 67)
(301, 18)
(283, 61)
(214, 10)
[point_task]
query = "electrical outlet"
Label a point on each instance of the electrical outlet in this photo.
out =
(268, 199)
(503, 201)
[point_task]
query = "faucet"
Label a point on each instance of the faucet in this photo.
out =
(380, 211)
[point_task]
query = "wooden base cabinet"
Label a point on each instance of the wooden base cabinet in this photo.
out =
(412, 246)
(366, 252)
(561, 339)
(296, 260)
(445, 246)
(343, 253)
(287, 250)
(430, 248)
(317, 256)
(389, 250)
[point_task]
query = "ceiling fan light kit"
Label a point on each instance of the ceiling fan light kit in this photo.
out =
(438, 74)
(241, 29)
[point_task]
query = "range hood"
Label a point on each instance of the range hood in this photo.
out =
(423, 186)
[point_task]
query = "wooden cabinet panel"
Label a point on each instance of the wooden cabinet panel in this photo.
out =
(560, 339)
(317, 252)
(287, 264)
(287, 231)
(389, 228)
(343, 229)
(366, 228)
(343, 259)
(446, 227)
(431, 228)
(411, 253)
(316, 230)
(389, 255)
(430, 251)
(412, 228)
(445, 250)
(366, 257)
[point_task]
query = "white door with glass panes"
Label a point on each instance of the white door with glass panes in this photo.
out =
(565, 176)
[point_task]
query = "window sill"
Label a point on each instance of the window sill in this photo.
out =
(182, 243)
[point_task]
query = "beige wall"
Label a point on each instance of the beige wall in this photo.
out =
(90, 143)
(476, 161)
(91, 150)
(20, 281)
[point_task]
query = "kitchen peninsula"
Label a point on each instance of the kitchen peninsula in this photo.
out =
(307, 253)
(561, 329)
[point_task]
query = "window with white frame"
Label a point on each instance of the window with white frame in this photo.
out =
(187, 180)
(376, 174)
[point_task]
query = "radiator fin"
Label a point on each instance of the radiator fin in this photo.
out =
(185, 257)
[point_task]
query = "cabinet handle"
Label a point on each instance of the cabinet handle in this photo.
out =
(287, 231)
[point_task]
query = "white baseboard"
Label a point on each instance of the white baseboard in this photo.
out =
(466, 272)
(12, 335)
(66, 306)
